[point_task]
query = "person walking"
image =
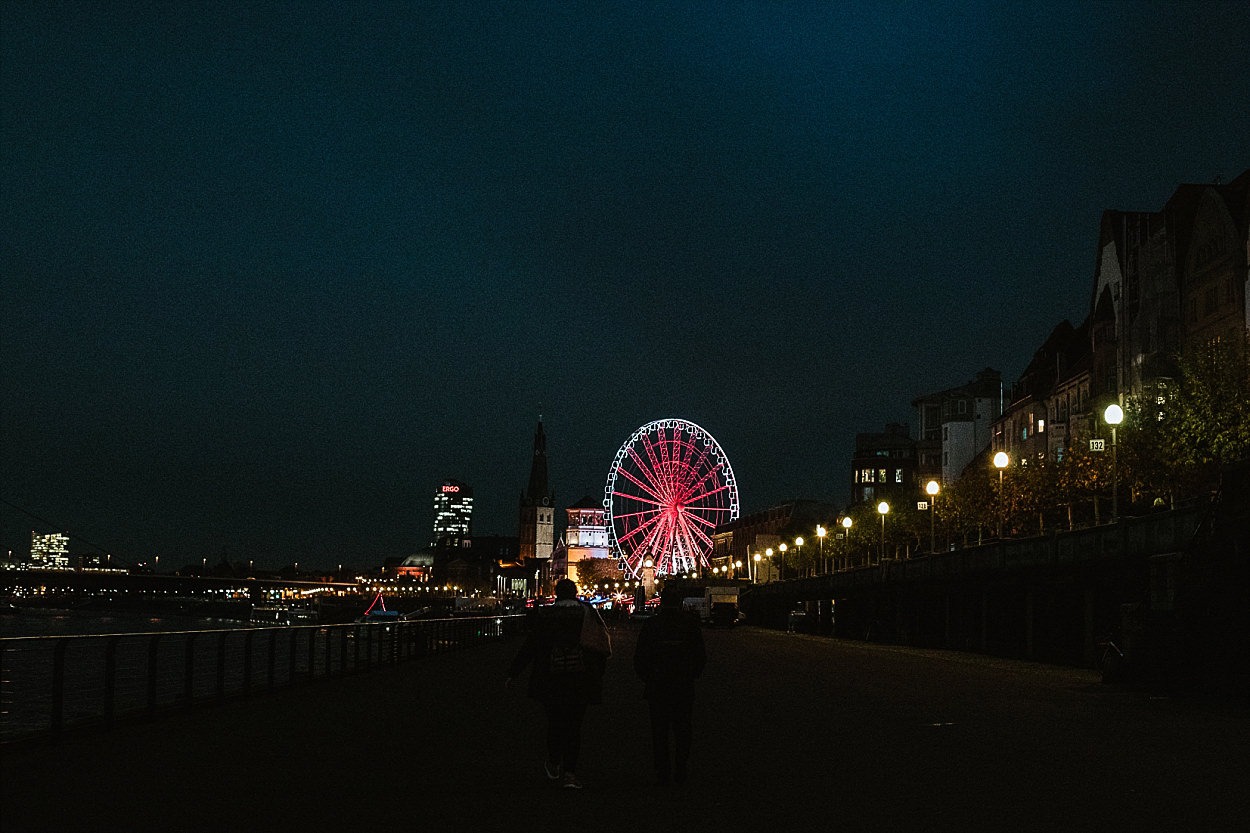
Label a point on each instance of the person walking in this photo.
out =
(566, 649)
(668, 658)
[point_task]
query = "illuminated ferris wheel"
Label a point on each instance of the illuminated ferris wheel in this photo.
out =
(670, 486)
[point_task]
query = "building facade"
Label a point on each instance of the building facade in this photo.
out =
(956, 425)
(1168, 282)
(50, 550)
(453, 512)
(740, 540)
(884, 466)
(586, 535)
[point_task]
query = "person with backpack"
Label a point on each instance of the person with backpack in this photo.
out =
(668, 658)
(566, 649)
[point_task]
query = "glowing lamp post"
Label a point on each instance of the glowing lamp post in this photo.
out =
(931, 489)
(648, 578)
(755, 576)
(1113, 416)
(883, 509)
(820, 537)
(782, 547)
(846, 526)
(798, 543)
(769, 552)
(1000, 462)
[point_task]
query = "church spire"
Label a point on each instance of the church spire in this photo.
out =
(536, 493)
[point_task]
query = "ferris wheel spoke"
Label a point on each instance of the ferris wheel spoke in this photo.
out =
(671, 452)
(696, 500)
(683, 533)
(640, 512)
(652, 487)
(632, 478)
(650, 522)
(690, 451)
(691, 492)
(695, 459)
(655, 507)
(685, 478)
(649, 541)
(698, 518)
(687, 517)
(688, 458)
(656, 465)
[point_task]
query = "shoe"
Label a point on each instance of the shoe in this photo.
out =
(553, 770)
(571, 782)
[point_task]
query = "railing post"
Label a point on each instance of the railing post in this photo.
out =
(221, 664)
(57, 716)
(110, 679)
(343, 649)
(247, 661)
(273, 656)
(152, 662)
(188, 670)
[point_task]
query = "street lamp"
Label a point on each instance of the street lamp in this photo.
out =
(769, 552)
(782, 573)
(798, 542)
(1000, 462)
(1113, 416)
(820, 536)
(883, 508)
(846, 525)
(932, 488)
(755, 576)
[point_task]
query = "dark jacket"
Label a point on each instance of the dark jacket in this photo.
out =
(670, 655)
(559, 626)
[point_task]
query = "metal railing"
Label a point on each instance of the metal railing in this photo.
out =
(49, 684)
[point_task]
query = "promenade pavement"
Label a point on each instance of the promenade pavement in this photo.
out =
(793, 733)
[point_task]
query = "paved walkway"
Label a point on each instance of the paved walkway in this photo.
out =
(793, 733)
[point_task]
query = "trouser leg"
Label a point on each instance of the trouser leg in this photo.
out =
(555, 733)
(574, 716)
(683, 733)
(660, 722)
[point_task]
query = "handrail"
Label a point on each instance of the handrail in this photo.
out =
(52, 684)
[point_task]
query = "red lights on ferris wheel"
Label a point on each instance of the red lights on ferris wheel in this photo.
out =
(670, 486)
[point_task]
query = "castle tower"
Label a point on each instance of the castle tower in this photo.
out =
(537, 528)
(587, 533)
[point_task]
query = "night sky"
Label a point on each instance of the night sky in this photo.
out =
(270, 272)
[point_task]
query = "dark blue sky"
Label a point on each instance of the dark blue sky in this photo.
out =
(272, 271)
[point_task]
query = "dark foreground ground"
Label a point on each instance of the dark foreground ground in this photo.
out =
(793, 733)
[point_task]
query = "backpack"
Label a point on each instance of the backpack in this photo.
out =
(565, 661)
(566, 656)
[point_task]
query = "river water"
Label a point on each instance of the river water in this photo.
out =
(53, 622)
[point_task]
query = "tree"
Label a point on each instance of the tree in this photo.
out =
(1181, 433)
(971, 504)
(592, 571)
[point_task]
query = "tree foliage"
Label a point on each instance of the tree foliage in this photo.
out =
(592, 571)
(1180, 434)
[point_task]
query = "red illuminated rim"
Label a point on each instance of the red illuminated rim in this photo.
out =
(670, 486)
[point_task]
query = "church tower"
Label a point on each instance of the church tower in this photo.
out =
(537, 530)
